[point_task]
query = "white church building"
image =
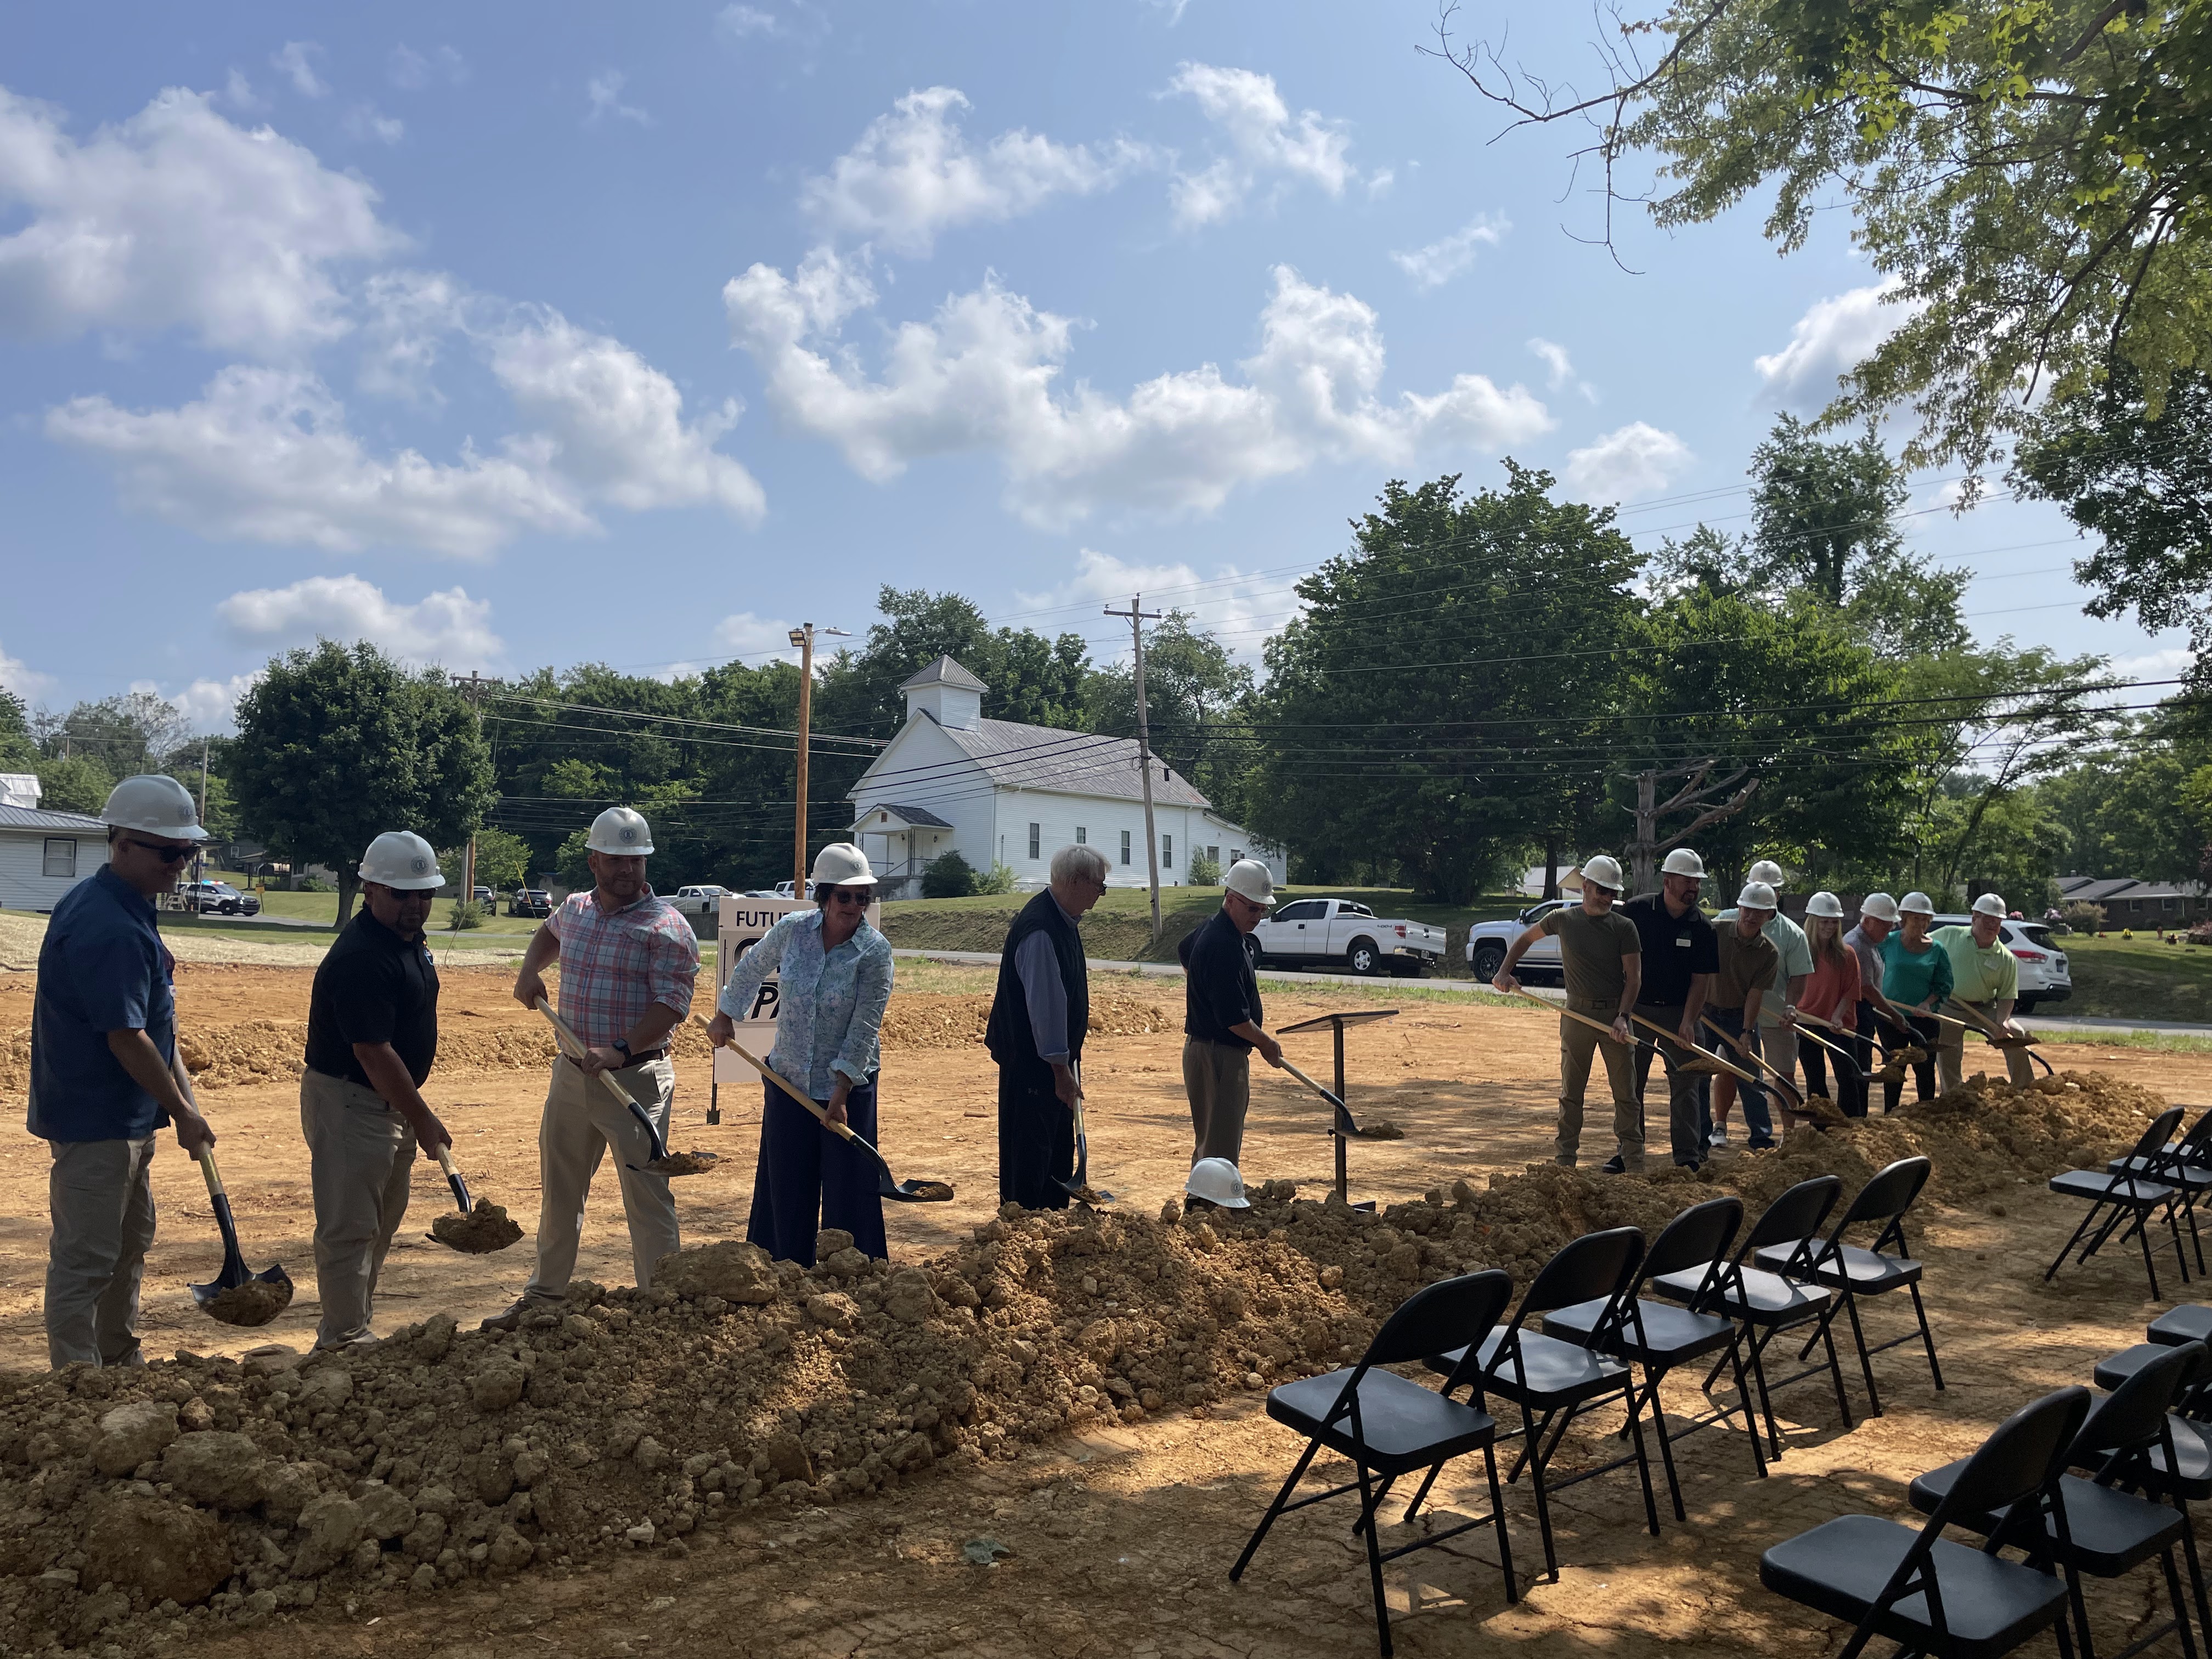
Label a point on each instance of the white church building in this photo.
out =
(1001, 792)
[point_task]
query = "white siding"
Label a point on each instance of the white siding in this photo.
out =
(23, 886)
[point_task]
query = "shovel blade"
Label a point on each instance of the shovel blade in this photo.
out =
(248, 1301)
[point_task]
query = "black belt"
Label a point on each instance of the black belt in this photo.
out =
(638, 1058)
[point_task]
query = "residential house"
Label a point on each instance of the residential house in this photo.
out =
(44, 854)
(2128, 902)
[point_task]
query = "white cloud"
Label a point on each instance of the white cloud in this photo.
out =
(1379, 182)
(740, 22)
(605, 91)
(1832, 337)
(414, 71)
(177, 218)
(208, 705)
(238, 91)
(367, 121)
(446, 627)
(913, 173)
(979, 376)
(406, 316)
(1634, 460)
(1439, 262)
(1242, 610)
(2171, 663)
(1559, 369)
(756, 637)
(1264, 141)
(18, 677)
(292, 61)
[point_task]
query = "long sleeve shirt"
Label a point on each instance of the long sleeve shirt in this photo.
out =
(830, 1005)
(1044, 996)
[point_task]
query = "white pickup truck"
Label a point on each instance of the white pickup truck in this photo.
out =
(1310, 932)
(696, 901)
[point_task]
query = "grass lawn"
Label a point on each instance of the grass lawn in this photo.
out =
(2115, 978)
(323, 907)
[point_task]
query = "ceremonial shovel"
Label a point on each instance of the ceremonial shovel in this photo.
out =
(221, 1300)
(662, 1162)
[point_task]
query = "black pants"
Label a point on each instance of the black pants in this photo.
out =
(1036, 1142)
(1689, 1104)
(1925, 1032)
(1861, 1042)
(1851, 1094)
(809, 1179)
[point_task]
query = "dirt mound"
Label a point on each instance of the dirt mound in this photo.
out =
(958, 1022)
(485, 1229)
(625, 1419)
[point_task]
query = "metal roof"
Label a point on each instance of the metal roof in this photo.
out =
(33, 818)
(1070, 762)
(919, 817)
(944, 672)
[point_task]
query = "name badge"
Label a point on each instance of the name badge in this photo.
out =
(1681, 945)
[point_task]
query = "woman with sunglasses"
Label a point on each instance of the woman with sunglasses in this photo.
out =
(835, 978)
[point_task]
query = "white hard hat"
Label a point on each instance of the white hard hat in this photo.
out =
(1683, 862)
(1917, 904)
(1604, 870)
(1756, 896)
(1768, 871)
(1880, 906)
(622, 831)
(401, 859)
(1216, 1181)
(1990, 904)
(156, 804)
(1825, 904)
(841, 864)
(1247, 878)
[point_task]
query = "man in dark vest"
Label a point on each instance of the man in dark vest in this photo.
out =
(1038, 1020)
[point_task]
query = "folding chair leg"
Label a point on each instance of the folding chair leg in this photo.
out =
(2196, 1569)
(1373, 1560)
(2173, 1230)
(2067, 1250)
(1427, 1481)
(1866, 1360)
(1643, 1462)
(2180, 1611)
(1926, 1336)
(1505, 1537)
(1765, 1398)
(1529, 1438)
(1298, 1473)
(1836, 1375)
(1382, 1496)
(1750, 1410)
(1666, 1442)
(2142, 1237)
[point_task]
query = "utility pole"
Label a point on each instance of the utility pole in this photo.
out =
(476, 688)
(803, 637)
(1138, 617)
(199, 859)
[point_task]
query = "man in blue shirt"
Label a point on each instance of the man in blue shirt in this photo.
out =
(105, 1074)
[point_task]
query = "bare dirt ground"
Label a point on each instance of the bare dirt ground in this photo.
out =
(1118, 1542)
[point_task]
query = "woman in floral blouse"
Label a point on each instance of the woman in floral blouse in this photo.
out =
(835, 978)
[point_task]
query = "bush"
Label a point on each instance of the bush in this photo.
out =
(2081, 917)
(467, 913)
(311, 884)
(1204, 871)
(2201, 934)
(999, 878)
(948, 876)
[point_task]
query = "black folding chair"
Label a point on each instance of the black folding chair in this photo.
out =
(1853, 1272)
(2187, 1164)
(2136, 1192)
(2190, 1322)
(1931, 1595)
(1659, 1336)
(1766, 1303)
(1387, 1425)
(2108, 1530)
(1554, 1381)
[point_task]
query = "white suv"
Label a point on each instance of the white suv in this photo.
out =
(2043, 972)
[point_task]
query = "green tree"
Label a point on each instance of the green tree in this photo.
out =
(79, 784)
(19, 750)
(948, 876)
(1197, 699)
(2137, 807)
(129, 734)
(1031, 679)
(337, 745)
(503, 860)
(2016, 843)
(2029, 177)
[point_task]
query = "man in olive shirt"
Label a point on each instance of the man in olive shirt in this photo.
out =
(1985, 976)
(1602, 955)
(1749, 960)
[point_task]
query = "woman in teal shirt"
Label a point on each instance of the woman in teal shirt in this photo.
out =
(1916, 976)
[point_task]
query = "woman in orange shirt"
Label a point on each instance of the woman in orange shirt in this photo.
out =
(1831, 995)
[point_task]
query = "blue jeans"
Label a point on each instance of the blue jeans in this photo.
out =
(1753, 1095)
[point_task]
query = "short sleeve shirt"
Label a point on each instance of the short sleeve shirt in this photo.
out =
(374, 986)
(1794, 958)
(1676, 949)
(1746, 965)
(1219, 987)
(1593, 949)
(615, 964)
(1978, 975)
(102, 967)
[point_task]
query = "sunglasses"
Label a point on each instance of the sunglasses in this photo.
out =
(845, 896)
(167, 855)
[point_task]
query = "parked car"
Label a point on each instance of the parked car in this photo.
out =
(783, 889)
(530, 902)
(1539, 964)
(1314, 931)
(218, 897)
(698, 901)
(484, 897)
(2044, 975)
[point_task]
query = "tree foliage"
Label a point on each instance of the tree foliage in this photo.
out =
(1196, 697)
(19, 750)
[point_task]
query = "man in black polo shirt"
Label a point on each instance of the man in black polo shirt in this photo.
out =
(1680, 957)
(371, 1035)
(1222, 1013)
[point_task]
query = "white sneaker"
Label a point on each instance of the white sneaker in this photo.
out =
(1718, 1138)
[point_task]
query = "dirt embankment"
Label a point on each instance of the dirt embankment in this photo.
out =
(139, 1505)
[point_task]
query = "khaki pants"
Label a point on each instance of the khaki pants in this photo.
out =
(583, 1119)
(1779, 1045)
(1218, 1077)
(1951, 1056)
(1577, 1043)
(100, 1196)
(360, 1152)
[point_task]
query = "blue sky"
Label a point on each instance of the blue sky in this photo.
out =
(636, 334)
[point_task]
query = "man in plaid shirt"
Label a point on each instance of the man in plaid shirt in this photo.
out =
(627, 962)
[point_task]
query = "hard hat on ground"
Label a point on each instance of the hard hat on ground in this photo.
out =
(1602, 870)
(1880, 906)
(1216, 1181)
(155, 804)
(622, 831)
(1683, 862)
(1768, 871)
(1825, 904)
(1990, 904)
(1917, 904)
(841, 864)
(401, 858)
(1249, 878)
(1756, 896)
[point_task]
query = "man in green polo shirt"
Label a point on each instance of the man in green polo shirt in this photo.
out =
(1985, 976)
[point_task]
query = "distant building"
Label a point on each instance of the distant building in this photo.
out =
(20, 789)
(44, 854)
(2128, 902)
(1001, 792)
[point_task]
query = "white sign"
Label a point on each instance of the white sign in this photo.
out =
(744, 922)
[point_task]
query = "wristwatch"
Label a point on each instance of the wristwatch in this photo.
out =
(619, 1048)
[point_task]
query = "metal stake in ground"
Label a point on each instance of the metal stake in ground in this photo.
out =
(237, 1296)
(1340, 1130)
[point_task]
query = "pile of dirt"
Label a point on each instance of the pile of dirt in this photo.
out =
(958, 1022)
(486, 1228)
(137, 1506)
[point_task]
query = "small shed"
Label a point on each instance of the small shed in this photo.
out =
(43, 855)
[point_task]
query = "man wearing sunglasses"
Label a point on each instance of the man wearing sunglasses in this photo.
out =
(1222, 1015)
(105, 1074)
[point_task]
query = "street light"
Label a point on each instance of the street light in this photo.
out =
(802, 638)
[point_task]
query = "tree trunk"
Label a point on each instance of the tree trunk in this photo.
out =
(348, 885)
(1551, 864)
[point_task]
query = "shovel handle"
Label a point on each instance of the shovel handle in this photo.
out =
(454, 1176)
(1597, 1025)
(1782, 1084)
(220, 1200)
(205, 1159)
(573, 1046)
